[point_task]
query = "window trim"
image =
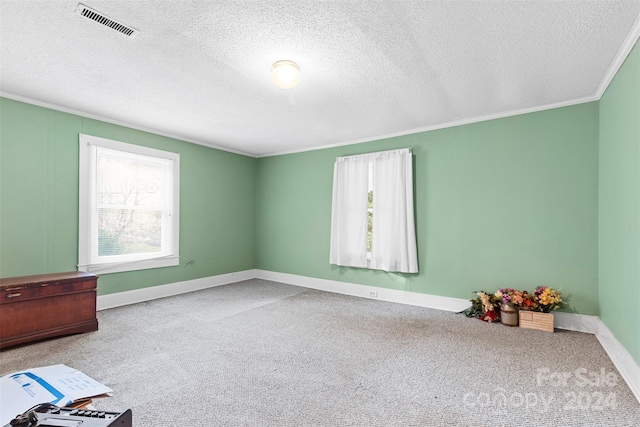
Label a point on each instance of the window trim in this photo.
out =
(86, 206)
(370, 209)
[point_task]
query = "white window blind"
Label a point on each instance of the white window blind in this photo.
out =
(129, 206)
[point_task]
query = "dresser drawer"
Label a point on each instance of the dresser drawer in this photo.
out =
(15, 293)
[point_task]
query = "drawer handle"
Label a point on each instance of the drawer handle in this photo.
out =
(14, 295)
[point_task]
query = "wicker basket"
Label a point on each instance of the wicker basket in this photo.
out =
(536, 320)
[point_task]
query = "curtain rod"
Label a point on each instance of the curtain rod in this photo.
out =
(376, 152)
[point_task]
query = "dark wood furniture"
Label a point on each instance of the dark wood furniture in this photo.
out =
(44, 306)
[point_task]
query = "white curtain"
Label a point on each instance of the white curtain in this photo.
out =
(394, 240)
(349, 211)
(394, 236)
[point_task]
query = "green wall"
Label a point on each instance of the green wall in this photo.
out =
(544, 198)
(39, 200)
(508, 202)
(619, 228)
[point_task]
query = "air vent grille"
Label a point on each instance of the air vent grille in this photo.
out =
(102, 19)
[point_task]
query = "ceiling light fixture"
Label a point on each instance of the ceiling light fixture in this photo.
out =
(285, 74)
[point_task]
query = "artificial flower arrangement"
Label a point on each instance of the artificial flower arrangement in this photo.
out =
(509, 296)
(486, 306)
(546, 299)
(528, 302)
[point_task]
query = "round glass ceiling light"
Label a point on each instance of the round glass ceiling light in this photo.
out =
(285, 74)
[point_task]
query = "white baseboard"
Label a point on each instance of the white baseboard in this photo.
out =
(154, 292)
(626, 365)
(568, 321)
(576, 322)
(372, 292)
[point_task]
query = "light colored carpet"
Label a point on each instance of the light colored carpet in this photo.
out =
(260, 353)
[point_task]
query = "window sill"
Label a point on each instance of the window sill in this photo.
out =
(131, 265)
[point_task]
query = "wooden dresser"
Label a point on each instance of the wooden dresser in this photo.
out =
(44, 306)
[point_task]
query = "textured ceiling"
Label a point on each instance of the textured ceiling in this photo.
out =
(200, 70)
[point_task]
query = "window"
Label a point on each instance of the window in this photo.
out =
(372, 222)
(370, 212)
(129, 206)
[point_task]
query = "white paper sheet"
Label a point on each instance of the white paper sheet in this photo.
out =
(57, 384)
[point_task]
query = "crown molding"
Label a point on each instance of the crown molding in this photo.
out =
(105, 119)
(623, 52)
(621, 56)
(455, 123)
(619, 59)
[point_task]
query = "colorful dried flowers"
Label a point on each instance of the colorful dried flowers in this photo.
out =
(509, 296)
(486, 306)
(546, 299)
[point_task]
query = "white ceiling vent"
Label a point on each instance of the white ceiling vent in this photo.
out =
(101, 18)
